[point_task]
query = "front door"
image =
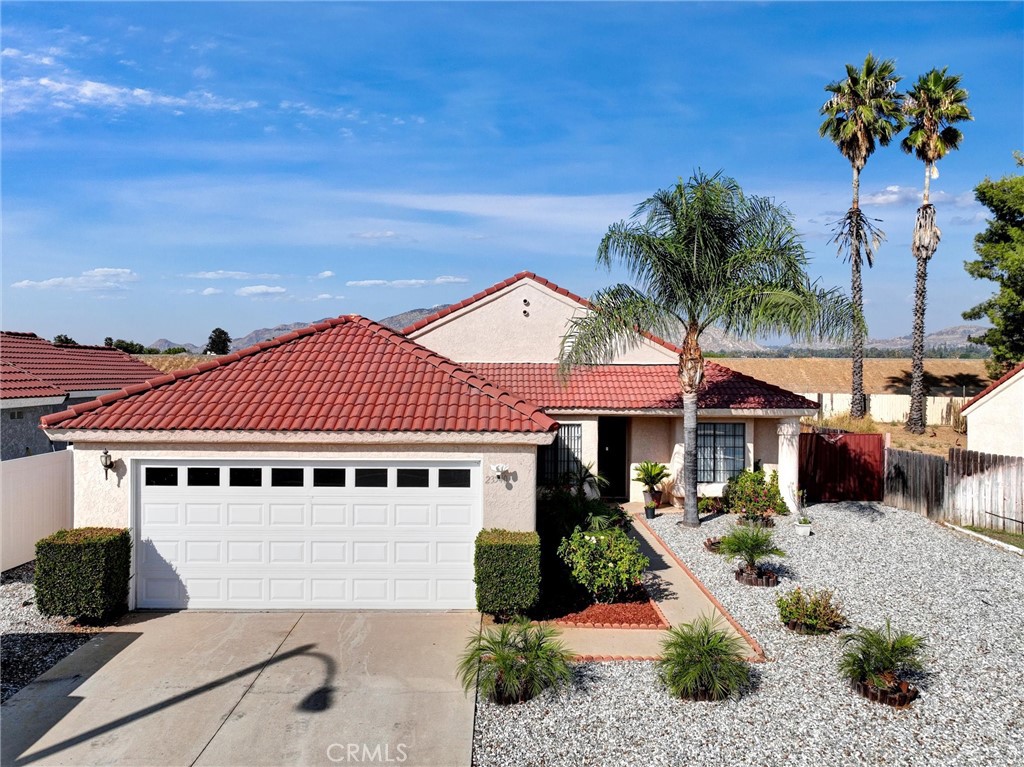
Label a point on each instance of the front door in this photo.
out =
(612, 463)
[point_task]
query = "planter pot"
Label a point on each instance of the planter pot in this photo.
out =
(802, 529)
(648, 512)
(654, 496)
(713, 544)
(760, 578)
(900, 698)
(759, 522)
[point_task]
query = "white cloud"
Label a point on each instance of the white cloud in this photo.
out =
(385, 235)
(325, 275)
(210, 291)
(260, 290)
(893, 195)
(221, 274)
(442, 280)
(100, 279)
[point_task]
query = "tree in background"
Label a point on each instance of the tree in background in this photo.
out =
(934, 103)
(130, 347)
(1001, 259)
(175, 350)
(702, 253)
(218, 343)
(108, 341)
(64, 340)
(863, 109)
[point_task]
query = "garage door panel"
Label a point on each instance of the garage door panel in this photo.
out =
(309, 547)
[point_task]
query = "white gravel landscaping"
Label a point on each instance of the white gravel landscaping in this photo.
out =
(964, 596)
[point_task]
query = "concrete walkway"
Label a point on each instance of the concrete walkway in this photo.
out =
(678, 593)
(204, 688)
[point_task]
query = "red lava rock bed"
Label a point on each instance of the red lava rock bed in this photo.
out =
(635, 609)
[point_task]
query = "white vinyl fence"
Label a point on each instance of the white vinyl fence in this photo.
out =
(37, 500)
(890, 408)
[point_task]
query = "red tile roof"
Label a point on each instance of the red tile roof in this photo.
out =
(636, 387)
(994, 385)
(16, 383)
(73, 368)
(347, 374)
(420, 324)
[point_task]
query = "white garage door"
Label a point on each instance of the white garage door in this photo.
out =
(244, 535)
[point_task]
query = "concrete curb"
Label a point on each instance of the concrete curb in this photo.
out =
(998, 544)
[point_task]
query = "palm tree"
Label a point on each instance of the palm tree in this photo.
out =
(863, 109)
(702, 253)
(934, 103)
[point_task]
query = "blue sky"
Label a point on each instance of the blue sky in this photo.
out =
(168, 168)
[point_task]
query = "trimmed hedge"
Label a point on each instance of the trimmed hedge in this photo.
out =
(84, 573)
(507, 567)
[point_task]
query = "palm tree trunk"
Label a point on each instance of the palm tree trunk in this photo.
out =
(691, 374)
(857, 404)
(926, 240)
(927, 182)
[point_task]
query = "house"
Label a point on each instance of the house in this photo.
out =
(38, 378)
(995, 417)
(341, 465)
(625, 411)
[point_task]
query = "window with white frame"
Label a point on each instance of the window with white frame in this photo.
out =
(720, 451)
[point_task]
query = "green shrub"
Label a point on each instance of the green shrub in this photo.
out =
(606, 563)
(605, 517)
(750, 545)
(513, 662)
(702, 661)
(752, 496)
(84, 573)
(707, 507)
(507, 566)
(879, 657)
(817, 611)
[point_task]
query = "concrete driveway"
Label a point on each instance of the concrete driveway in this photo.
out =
(195, 688)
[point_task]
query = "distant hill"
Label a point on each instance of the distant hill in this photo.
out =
(405, 319)
(163, 344)
(946, 340)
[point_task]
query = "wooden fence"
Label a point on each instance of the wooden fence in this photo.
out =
(36, 499)
(970, 488)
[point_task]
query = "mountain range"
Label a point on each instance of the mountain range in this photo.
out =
(713, 339)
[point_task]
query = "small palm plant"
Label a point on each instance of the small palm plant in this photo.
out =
(702, 661)
(880, 658)
(514, 662)
(751, 545)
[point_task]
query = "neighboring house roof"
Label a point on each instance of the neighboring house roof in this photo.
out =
(995, 385)
(348, 374)
(430, 319)
(73, 368)
(637, 387)
(16, 383)
(943, 377)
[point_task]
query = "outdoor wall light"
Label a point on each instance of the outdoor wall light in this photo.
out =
(106, 462)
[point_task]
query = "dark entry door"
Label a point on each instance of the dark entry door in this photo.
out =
(612, 463)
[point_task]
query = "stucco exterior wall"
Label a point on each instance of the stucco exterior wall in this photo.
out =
(107, 502)
(766, 443)
(522, 323)
(995, 424)
(21, 436)
(650, 439)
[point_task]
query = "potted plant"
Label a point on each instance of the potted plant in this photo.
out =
(875, 662)
(651, 474)
(649, 508)
(810, 612)
(803, 525)
(751, 545)
(702, 661)
(514, 662)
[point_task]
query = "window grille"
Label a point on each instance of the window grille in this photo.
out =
(720, 451)
(561, 456)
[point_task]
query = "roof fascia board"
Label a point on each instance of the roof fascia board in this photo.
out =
(212, 437)
(556, 413)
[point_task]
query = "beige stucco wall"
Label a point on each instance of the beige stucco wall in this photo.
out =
(766, 443)
(996, 423)
(522, 323)
(107, 502)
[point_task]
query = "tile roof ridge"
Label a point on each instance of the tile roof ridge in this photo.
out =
(202, 367)
(18, 334)
(995, 384)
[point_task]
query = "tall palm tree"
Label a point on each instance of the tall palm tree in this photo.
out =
(934, 103)
(863, 109)
(702, 253)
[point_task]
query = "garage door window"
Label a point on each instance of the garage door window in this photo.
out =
(246, 477)
(414, 478)
(453, 478)
(328, 478)
(161, 476)
(286, 477)
(203, 476)
(371, 477)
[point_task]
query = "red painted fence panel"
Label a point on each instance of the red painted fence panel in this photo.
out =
(842, 467)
